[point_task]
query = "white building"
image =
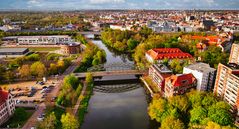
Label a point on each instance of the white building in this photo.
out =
(164, 26)
(204, 74)
(7, 106)
(39, 40)
(120, 27)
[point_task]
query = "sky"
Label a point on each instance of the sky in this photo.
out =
(118, 4)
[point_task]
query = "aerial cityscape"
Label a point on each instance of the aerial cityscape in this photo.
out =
(119, 64)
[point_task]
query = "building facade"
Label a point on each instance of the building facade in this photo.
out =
(158, 73)
(7, 106)
(159, 54)
(38, 40)
(204, 74)
(72, 48)
(179, 84)
(234, 55)
(227, 85)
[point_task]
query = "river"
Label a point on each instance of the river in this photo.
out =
(123, 110)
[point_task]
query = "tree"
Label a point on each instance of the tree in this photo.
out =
(53, 69)
(198, 115)
(9, 76)
(71, 80)
(172, 123)
(212, 125)
(69, 121)
(38, 69)
(60, 66)
(89, 79)
(132, 44)
(33, 57)
(180, 102)
(49, 122)
(157, 109)
(25, 71)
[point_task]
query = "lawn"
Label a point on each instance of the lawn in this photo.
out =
(19, 118)
(39, 49)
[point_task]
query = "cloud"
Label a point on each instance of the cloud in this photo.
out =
(106, 1)
(33, 1)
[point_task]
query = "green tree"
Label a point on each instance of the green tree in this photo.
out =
(89, 79)
(69, 121)
(131, 43)
(157, 109)
(198, 115)
(38, 69)
(33, 57)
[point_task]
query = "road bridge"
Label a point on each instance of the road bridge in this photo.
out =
(99, 74)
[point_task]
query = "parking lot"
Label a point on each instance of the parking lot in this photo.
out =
(30, 92)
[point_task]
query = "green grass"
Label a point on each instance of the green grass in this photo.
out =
(39, 49)
(18, 119)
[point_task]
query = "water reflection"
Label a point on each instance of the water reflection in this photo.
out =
(125, 110)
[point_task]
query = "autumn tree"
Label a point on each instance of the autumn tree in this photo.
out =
(69, 121)
(171, 122)
(49, 122)
(25, 71)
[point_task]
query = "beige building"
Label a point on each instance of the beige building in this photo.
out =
(227, 85)
(7, 106)
(234, 56)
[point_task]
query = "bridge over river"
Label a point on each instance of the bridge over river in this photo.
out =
(111, 73)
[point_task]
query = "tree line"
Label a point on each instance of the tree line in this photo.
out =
(193, 110)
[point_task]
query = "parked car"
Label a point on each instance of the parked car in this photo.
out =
(41, 83)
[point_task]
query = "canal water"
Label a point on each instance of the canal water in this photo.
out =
(123, 110)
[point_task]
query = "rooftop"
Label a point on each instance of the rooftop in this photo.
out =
(3, 96)
(162, 68)
(13, 49)
(181, 80)
(170, 53)
(202, 67)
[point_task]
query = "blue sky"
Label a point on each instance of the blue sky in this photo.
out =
(118, 4)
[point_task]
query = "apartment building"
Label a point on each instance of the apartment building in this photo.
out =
(179, 84)
(227, 85)
(7, 106)
(158, 73)
(204, 74)
(37, 40)
(234, 56)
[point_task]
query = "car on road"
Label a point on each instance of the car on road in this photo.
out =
(40, 118)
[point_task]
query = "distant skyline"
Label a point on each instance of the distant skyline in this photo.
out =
(118, 4)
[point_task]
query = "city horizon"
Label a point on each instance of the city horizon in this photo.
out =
(119, 5)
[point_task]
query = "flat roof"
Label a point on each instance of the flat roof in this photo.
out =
(13, 49)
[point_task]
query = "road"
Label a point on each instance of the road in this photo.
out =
(110, 73)
(32, 122)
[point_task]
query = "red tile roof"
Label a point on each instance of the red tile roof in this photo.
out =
(211, 39)
(181, 80)
(3, 96)
(169, 53)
